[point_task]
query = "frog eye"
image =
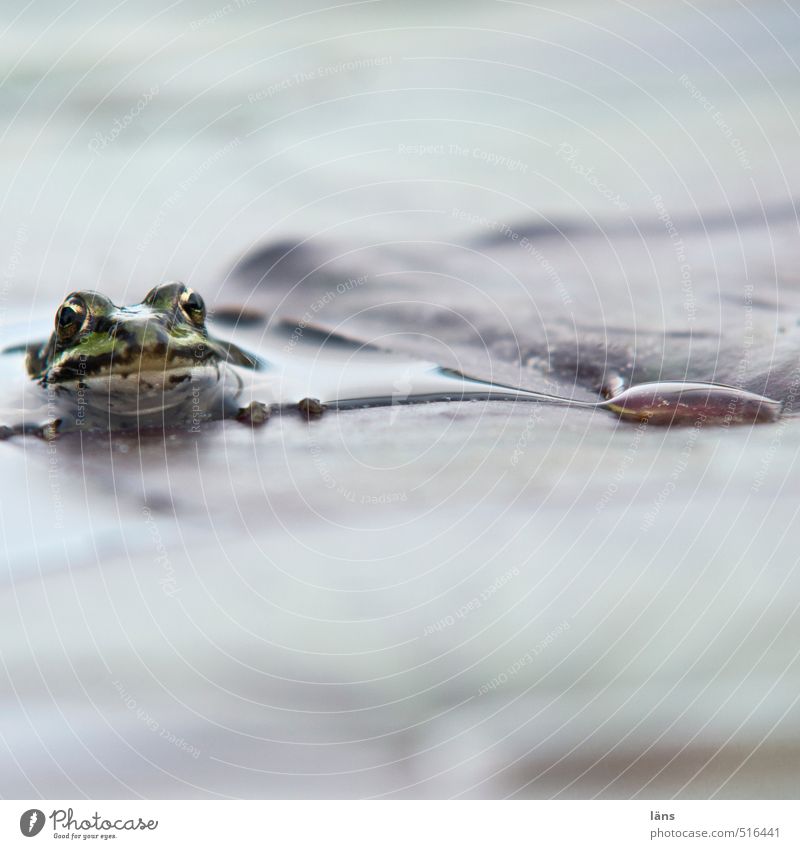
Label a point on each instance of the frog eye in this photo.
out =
(71, 318)
(193, 306)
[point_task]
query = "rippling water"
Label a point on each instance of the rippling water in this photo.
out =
(479, 599)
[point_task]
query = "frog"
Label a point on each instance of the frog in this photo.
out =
(156, 365)
(151, 364)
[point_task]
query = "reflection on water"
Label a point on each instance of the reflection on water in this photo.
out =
(477, 599)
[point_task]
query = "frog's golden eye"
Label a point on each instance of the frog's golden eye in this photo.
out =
(193, 306)
(70, 318)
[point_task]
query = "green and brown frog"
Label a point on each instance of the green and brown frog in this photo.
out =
(153, 364)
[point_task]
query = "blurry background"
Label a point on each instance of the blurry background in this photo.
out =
(473, 600)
